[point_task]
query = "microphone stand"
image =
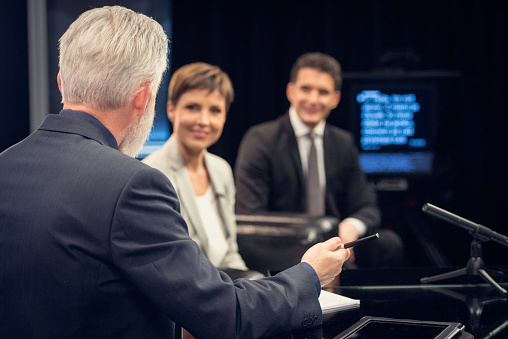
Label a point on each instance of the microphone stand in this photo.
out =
(475, 266)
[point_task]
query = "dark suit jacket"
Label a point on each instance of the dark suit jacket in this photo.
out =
(93, 246)
(269, 174)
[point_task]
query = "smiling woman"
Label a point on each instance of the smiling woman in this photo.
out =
(198, 119)
(199, 97)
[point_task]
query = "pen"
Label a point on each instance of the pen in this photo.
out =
(359, 241)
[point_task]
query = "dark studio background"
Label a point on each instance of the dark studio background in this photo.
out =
(256, 42)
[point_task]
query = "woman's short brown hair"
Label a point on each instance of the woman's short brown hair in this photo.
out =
(200, 75)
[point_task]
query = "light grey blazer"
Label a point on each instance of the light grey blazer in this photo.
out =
(169, 161)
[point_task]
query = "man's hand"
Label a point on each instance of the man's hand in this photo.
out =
(348, 233)
(326, 260)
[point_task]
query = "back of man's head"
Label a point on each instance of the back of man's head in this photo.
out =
(321, 62)
(107, 53)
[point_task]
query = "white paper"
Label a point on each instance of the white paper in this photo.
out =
(331, 302)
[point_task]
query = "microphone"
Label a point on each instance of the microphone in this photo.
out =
(481, 232)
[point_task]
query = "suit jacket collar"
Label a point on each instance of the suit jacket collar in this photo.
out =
(94, 122)
(73, 125)
(175, 162)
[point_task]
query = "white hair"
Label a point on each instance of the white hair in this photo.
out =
(107, 53)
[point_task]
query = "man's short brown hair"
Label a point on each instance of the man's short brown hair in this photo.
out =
(321, 62)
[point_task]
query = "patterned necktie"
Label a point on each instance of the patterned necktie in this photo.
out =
(315, 199)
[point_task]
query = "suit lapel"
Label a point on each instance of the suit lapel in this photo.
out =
(219, 187)
(329, 156)
(294, 155)
(292, 146)
(69, 124)
(185, 192)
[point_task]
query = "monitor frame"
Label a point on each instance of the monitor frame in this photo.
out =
(446, 330)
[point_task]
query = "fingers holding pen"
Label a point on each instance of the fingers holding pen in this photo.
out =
(327, 259)
(342, 251)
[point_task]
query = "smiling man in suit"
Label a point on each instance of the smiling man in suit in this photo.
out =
(92, 241)
(300, 163)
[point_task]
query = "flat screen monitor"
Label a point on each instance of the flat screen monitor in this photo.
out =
(392, 121)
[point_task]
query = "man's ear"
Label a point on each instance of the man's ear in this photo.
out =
(337, 96)
(289, 91)
(59, 82)
(141, 98)
(170, 109)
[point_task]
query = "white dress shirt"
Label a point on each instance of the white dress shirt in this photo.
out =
(209, 212)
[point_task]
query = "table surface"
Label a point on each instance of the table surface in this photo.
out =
(398, 293)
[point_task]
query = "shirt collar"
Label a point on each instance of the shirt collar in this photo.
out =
(301, 129)
(110, 139)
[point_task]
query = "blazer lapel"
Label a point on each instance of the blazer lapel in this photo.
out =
(220, 193)
(185, 192)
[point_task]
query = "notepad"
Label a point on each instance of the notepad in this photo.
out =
(331, 302)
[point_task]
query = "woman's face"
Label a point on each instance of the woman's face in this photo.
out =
(198, 119)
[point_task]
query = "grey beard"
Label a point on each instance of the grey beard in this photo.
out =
(136, 136)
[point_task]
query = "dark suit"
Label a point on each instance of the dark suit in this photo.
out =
(269, 178)
(93, 246)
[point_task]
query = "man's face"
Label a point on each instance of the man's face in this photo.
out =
(312, 95)
(136, 136)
